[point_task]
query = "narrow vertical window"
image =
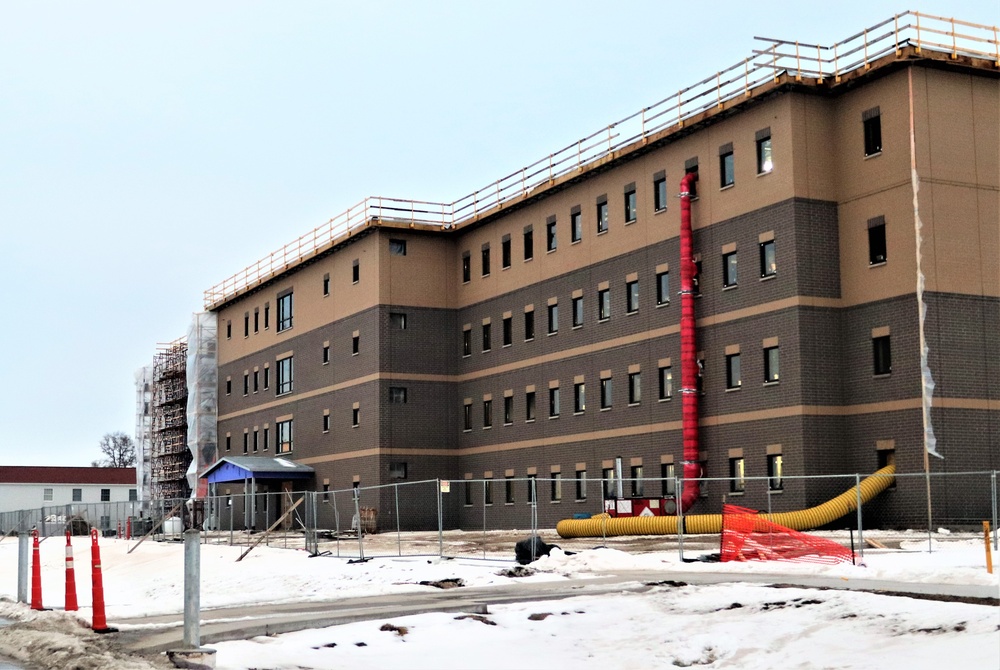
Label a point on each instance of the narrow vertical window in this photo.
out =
(660, 191)
(286, 369)
(634, 388)
(666, 382)
(355, 344)
(637, 483)
(556, 483)
(579, 398)
(284, 437)
(774, 472)
(553, 319)
(508, 410)
(267, 315)
(505, 251)
(606, 393)
(246, 442)
(285, 311)
(577, 312)
(632, 297)
(508, 331)
(529, 243)
(355, 417)
(663, 288)
(466, 342)
(529, 406)
(256, 320)
(630, 203)
(608, 477)
(668, 480)
(229, 330)
(729, 275)
(691, 167)
(603, 304)
(487, 414)
(486, 260)
(487, 491)
(266, 441)
(355, 271)
(581, 484)
(737, 475)
(326, 291)
(326, 354)
(882, 354)
(509, 489)
(267, 377)
(532, 487)
(553, 402)
(871, 120)
(551, 241)
(529, 325)
(466, 267)
(771, 363)
(768, 260)
(733, 377)
(764, 161)
(246, 324)
(487, 337)
(602, 214)
(575, 225)
(256, 381)
(877, 252)
(727, 166)
(467, 416)
(326, 429)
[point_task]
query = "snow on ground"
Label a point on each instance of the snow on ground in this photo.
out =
(735, 625)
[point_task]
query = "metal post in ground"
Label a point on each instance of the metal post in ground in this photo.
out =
(993, 489)
(399, 539)
(23, 558)
(229, 503)
(192, 655)
(678, 486)
(861, 532)
(534, 515)
(484, 519)
(440, 523)
(357, 515)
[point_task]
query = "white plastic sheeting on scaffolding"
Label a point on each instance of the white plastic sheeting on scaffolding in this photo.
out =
(143, 430)
(203, 401)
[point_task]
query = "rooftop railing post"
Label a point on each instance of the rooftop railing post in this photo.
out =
(867, 66)
(917, 14)
(798, 63)
(895, 31)
(746, 77)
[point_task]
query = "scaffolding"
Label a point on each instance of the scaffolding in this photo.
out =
(169, 454)
(143, 430)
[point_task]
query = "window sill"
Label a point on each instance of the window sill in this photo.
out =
(605, 409)
(505, 267)
(529, 259)
(508, 423)
(555, 502)
(659, 211)
(629, 223)
(882, 376)
(485, 276)
(774, 383)
(550, 251)
(770, 276)
(486, 351)
(529, 421)
(874, 155)
(506, 345)
(737, 493)
(464, 282)
(730, 287)
(663, 304)
(510, 504)
(530, 339)
(576, 241)
(635, 311)
(577, 327)
(487, 427)
(578, 413)
(634, 404)
(556, 332)
(876, 265)
(463, 355)
(735, 388)
(326, 362)
(773, 492)
(602, 232)
(464, 430)
(466, 505)
(280, 395)
(666, 399)
(357, 352)
(604, 320)
(765, 173)
(727, 187)
(554, 417)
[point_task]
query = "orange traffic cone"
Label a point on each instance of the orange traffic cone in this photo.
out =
(100, 622)
(36, 574)
(71, 605)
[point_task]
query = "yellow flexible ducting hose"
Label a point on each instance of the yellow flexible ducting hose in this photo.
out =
(602, 525)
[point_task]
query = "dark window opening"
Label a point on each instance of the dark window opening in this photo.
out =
(603, 304)
(576, 226)
(467, 416)
(668, 480)
(602, 217)
(606, 393)
(577, 312)
(505, 252)
(768, 261)
(637, 483)
(397, 395)
(771, 365)
(550, 236)
(466, 268)
(397, 320)
(729, 269)
(581, 484)
(579, 398)
(508, 410)
(630, 206)
(631, 297)
(355, 273)
(285, 312)
(529, 244)
(529, 325)
(666, 382)
(774, 467)
(660, 194)
(529, 406)
(486, 261)
(553, 319)
(554, 402)
(877, 252)
(487, 337)
(727, 169)
(733, 378)
(466, 342)
(397, 247)
(487, 414)
(737, 475)
(882, 352)
(508, 331)
(634, 388)
(286, 371)
(872, 121)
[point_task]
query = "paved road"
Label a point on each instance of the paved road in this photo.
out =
(160, 633)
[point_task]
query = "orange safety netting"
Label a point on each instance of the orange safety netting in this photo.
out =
(749, 536)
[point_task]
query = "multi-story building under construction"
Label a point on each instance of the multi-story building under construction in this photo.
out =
(531, 329)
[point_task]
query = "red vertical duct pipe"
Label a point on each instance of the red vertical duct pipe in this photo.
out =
(689, 363)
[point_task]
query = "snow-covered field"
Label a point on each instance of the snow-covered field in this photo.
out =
(737, 625)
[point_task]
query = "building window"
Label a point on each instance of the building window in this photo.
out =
(256, 381)
(508, 410)
(355, 417)
(577, 312)
(229, 386)
(529, 325)
(764, 162)
(246, 383)
(355, 275)
(326, 429)
(771, 363)
(575, 225)
(691, 167)
(397, 247)
(285, 312)
(229, 330)
(256, 439)
(529, 243)
(466, 268)
(77, 495)
(466, 342)
(553, 319)
(877, 252)
(397, 395)
(487, 414)
(608, 476)
(603, 304)
(663, 288)
(631, 297)
(509, 489)
(467, 416)
(727, 167)
(660, 193)
(246, 325)
(768, 262)
(468, 494)
(733, 379)
(700, 379)
(553, 402)
(246, 442)
(355, 344)
(774, 481)
(532, 487)
(256, 320)
(630, 207)
(872, 121)
(284, 437)
(882, 351)
(666, 382)
(486, 260)
(668, 480)
(105, 495)
(133, 495)
(326, 291)
(229, 442)
(581, 484)
(579, 398)
(550, 236)
(326, 354)
(606, 393)
(729, 269)
(508, 331)
(696, 280)
(637, 483)
(487, 337)
(397, 320)
(267, 432)
(397, 469)
(505, 252)
(286, 372)
(556, 483)
(529, 406)
(737, 475)
(47, 495)
(602, 217)
(634, 388)
(487, 491)
(267, 378)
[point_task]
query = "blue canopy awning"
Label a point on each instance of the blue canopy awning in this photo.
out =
(240, 468)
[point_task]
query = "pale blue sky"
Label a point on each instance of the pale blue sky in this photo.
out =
(150, 150)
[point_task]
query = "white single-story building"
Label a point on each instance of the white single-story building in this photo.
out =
(34, 487)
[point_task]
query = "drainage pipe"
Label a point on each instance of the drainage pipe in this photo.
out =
(689, 363)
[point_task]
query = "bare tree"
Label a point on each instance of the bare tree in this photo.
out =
(118, 449)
